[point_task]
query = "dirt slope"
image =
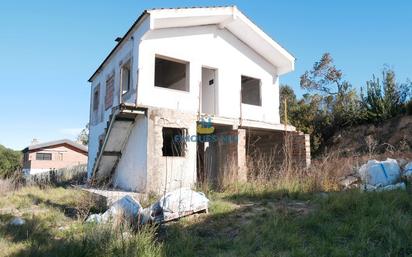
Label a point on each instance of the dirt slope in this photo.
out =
(392, 135)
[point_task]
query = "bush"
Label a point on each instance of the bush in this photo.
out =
(10, 161)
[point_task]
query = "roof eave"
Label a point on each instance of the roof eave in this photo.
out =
(275, 54)
(54, 143)
(236, 22)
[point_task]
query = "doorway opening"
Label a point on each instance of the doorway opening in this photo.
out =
(208, 91)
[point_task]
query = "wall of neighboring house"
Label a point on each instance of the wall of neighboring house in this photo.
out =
(63, 156)
(98, 118)
(211, 47)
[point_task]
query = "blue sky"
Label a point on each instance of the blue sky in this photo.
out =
(48, 50)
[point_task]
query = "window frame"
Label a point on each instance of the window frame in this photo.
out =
(182, 145)
(127, 65)
(259, 90)
(43, 156)
(179, 61)
(96, 100)
(108, 102)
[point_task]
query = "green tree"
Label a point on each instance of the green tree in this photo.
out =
(83, 137)
(385, 98)
(287, 93)
(324, 77)
(340, 99)
(10, 161)
(305, 114)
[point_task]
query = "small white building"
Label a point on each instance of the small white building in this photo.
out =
(171, 70)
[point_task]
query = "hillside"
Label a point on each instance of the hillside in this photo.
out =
(392, 135)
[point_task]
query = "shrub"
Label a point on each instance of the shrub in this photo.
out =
(10, 161)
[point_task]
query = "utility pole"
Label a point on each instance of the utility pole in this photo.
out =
(286, 114)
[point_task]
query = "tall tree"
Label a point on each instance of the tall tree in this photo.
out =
(384, 98)
(340, 99)
(324, 77)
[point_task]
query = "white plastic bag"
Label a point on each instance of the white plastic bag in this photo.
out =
(407, 172)
(380, 172)
(178, 203)
(379, 188)
(94, 218)
(126, 207)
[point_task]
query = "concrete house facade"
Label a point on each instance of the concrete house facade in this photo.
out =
(38, 158)
(180, 98)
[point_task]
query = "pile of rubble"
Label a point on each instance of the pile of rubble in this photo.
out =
(380, 176)
(171, 206)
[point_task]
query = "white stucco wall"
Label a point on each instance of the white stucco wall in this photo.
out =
(203, 46)
(129, 50)
(211, 47)
(131, 170)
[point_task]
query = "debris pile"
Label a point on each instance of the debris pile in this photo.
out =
(179, 203)
(126, 208)
(380, 176)
(171, 206)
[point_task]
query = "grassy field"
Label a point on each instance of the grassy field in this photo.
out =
(243, 222)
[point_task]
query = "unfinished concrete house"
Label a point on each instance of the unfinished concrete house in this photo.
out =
(186, 96)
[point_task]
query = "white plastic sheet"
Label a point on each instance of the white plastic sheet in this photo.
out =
(380, 173)
(407, 172)
(172, 205)
(398, 186)
(178, 203)
(126, 207)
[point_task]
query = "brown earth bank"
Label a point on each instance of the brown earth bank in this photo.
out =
(394, 135)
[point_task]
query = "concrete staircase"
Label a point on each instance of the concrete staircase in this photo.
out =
(116, 134)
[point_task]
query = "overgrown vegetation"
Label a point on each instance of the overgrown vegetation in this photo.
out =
(54, 226)
(280, 212)
(344, 224)
(10, 161)
(332, 103)
(244, 220)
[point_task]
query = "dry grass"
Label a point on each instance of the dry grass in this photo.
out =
(324, 174)
(6, 185)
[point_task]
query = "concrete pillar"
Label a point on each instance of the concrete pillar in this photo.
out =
(241, 156)
(307, 148)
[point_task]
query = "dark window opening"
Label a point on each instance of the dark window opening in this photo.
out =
(251, 91)
(96, 98)
(43, 156)
(126, 78)
(171, 74)
(173, 141)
